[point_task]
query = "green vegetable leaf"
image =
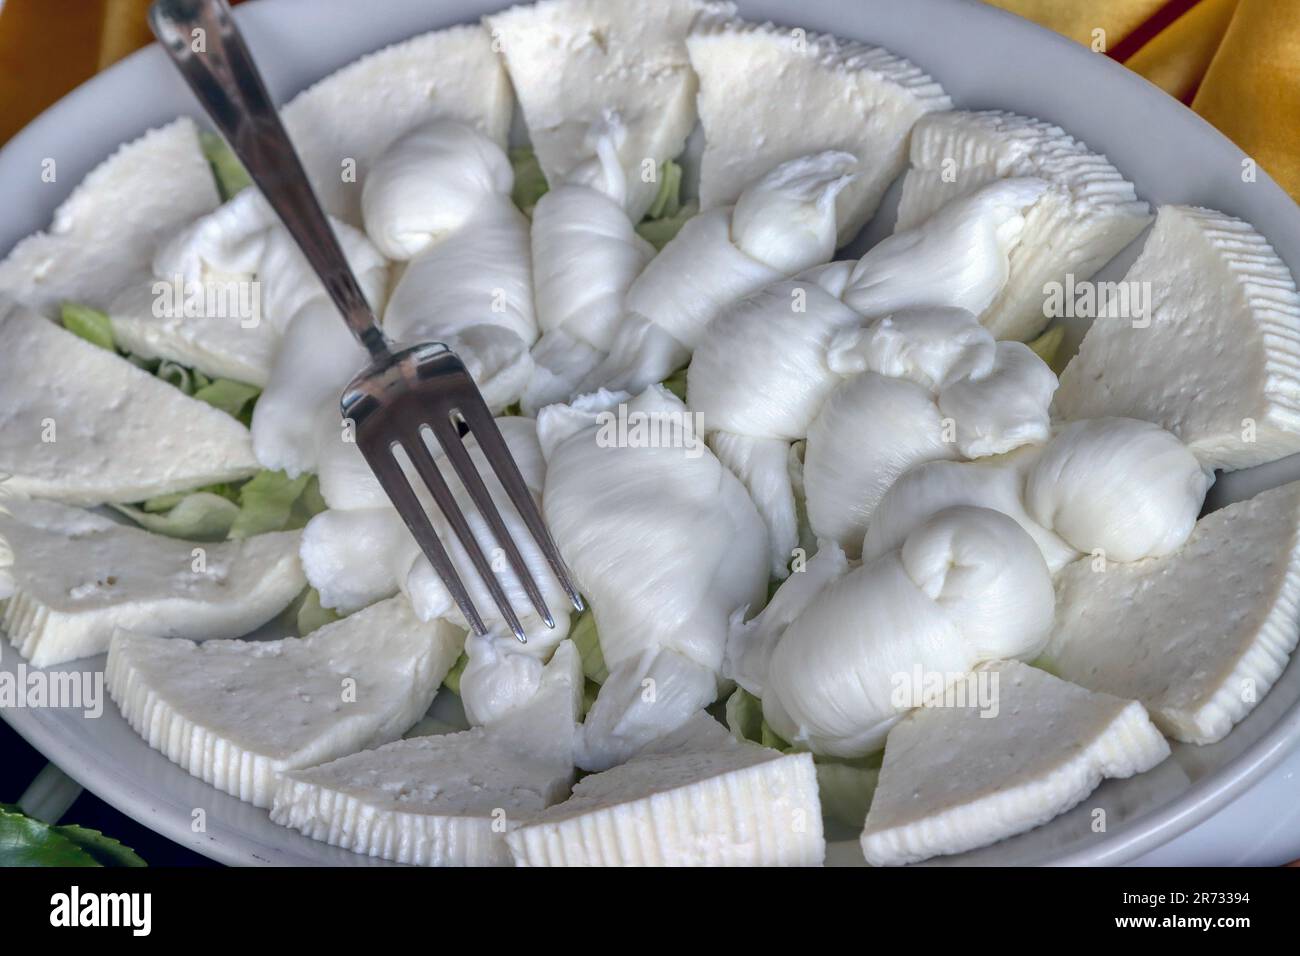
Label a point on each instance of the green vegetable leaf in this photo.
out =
(199, 516)
(1048, 346)
(745, 715)
(668, 201)
(90, 324)
(25, 841)
(266, 503)
(230, 173)
(846, 791)
(659, 232)
(587, 641)
(234, 398)
(676, 383)
(311, 616)
(177, 375)
(530, 181)
(452, 680)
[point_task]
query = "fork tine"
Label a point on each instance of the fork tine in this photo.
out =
(428, 470)
(384, 464)
(458, 454)
(484, 428)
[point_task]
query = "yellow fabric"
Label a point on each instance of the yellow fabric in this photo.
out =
(1239, 59)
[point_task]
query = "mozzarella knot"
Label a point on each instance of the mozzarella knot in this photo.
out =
(786, 219)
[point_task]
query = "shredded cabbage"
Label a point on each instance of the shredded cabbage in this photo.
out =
(90, 324)
(530, 181)
(229, 172)
(199, 516)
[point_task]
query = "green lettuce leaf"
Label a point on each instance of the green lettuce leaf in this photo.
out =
(745, 715)
(659, 232)
(1048, 347)
(530, 181)
(229, 172)
(846, 791)
(452, 680)
(587, 641)
(267, 503)
(311, 616)
(90, 324)
(25, 841)
(676, 383)
(668, 200)
(199, 516)
(234, 398)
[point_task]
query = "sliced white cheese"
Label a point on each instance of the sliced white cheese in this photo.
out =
(106, 231)
(1215, 362)
(1200, 635)
(1089, 213)
(769, 94)
(445, 800)
(80, 424)
(238, 714)
(954, 779)
(77, 576)
(698, 797)
(574, 61)
(341, 125)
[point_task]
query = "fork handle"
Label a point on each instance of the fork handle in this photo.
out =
(201, 38)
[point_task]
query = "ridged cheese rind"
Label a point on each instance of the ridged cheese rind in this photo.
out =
(953, 780)
(445, 799)
(82, 425)
(573, 61)
(358, 111)
(104, 234)
(1219, 362)
(238, 714)
(770, 94)
(78, 576)
(1088, 215)
(1200, 635)
(697, 797)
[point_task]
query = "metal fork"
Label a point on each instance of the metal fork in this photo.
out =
(400, 394)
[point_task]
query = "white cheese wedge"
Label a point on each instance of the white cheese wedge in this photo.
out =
(106, 231)
(698, 797)
(1200, 635)
(78, 575)
(1089, 213)
(80, 424)
(448, 799)
(953, 779)
(342, 124)
(238, 714)
(573, 61)
(1215, 360)
(769, 94)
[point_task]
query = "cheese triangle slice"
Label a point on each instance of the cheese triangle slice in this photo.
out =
(953, 780)
(80, 424)
(770, 94)
(104, 234)
(77, 576)
(1217, 360)
(238, 714)
(1200, 635)
(343, 123)
(574, 61)
(696, 797)
(448, 799)
(1089, 213)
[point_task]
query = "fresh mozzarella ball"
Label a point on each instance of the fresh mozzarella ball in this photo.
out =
(870, 431)
(501, 675)
(761, 367)
(984, 570)
(931, 347)
(832, 677)
(243, 240)
(586, 253)
(786, 218)
(1122, 487)
(662, 540)
(968, 585)
(997, 484)
(763, 466)
(428, 184)
(956, 258)
(480, 275)
(354, 558)
(1005, 408)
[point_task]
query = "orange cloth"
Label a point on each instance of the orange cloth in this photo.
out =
(1237, 61)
